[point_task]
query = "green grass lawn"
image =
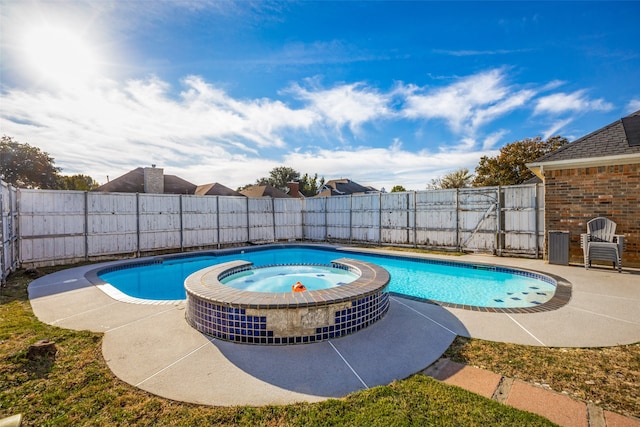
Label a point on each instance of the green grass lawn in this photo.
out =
(77, 388)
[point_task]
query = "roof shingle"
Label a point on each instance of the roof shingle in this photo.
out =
(610, 140)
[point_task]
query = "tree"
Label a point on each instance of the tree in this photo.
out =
(279, 176)
(25, 166)
(77, 182)
(398, 189)
(310, 186)
(460, 178)
(509, 167)
(457, 179)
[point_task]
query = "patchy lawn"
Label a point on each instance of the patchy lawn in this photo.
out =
(77, 388)
(607, 376)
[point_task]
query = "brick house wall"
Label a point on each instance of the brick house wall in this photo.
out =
(573, 196)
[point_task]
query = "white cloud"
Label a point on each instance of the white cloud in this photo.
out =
(203, 134)
(467, 104)
(555, 127)
(384, 167)
(480, 52)
(633, 105)
(493, 138)
(349, 105)
(141, 122)
(577, 101)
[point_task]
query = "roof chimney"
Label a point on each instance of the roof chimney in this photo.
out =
(154, 180)
(294, 189)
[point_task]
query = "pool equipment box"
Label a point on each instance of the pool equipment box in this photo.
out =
(559, 247)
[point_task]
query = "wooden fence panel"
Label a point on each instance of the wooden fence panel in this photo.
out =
(51, 225)
(365, 218)
(8, 234)
(159, 219)
(261, 220)
(397, 218)
(436, 218)
(338, 217)
(521, 229)
(112, 220)
(199, 221)
(288, 217)
(233, 219)
(314, 218)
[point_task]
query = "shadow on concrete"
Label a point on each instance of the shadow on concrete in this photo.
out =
(409, 338)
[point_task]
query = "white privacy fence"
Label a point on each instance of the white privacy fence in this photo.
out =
(8, 235)
(500, 220)
(56, 227)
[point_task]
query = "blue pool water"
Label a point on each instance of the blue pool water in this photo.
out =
(439, 281)
(281, 278)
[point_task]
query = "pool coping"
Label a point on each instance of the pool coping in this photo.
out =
(206, 284)
(561, 296)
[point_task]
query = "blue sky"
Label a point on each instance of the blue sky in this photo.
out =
(384, 93)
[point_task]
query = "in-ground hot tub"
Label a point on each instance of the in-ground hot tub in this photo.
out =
(276, 318)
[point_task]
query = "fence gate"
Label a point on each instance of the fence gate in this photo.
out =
(478, 219)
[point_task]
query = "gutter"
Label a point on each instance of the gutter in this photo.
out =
(624, 159)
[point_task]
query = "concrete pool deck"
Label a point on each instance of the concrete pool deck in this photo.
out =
(152, 347)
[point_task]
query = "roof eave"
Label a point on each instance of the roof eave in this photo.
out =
(538, 168)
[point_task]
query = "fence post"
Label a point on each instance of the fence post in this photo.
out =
(14, 228)
(407, 216)
(380, 219)
(326, 219)
(86, 226)
(350, 218)
(3, 238)
(415, 219)
(273, 217)
(303, 211)
(181, 226)
(499, 224)
(535, 220)
(218, 220)
(138, 225)
(248, 223)
(457, 197)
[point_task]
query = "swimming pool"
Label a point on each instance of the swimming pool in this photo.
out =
(451, 283)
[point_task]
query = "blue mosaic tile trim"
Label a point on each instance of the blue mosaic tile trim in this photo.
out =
(129, 265)
(233, 323)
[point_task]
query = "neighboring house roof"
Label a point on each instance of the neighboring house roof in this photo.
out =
(533, 180)
(264, 191)
(176, 185)
(216, 189)
(341, 187)
(612, 144)
(133, 182)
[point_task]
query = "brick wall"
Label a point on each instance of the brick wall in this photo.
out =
(574, 196)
